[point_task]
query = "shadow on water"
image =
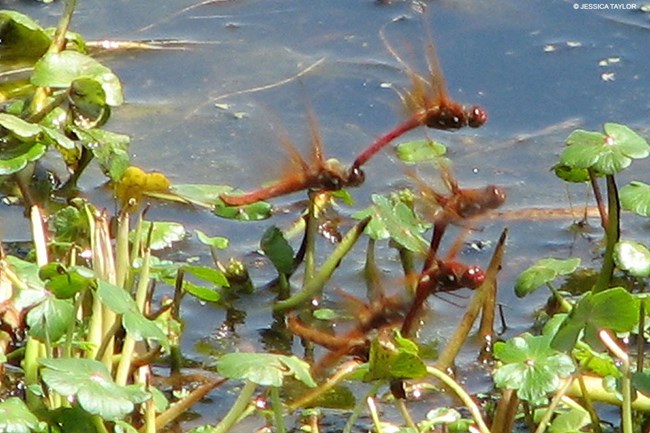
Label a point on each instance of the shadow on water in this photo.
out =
(204, 113)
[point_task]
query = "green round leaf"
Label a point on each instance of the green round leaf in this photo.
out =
(635, 197)
(278, 250)
(632, 257)
(59, 70)
(420, 150)
(630, 143)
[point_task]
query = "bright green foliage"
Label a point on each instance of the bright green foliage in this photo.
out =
(70, 225)
(571, 174)
(15, 159)
(217, 242)
(570, 422)
(632, 257)
(394, 220)
(635, 197)
(209, 274)
(614, 309)
(531, 366)
(277, 249)
(264, 369)
(65, 282)
(22, 37)
(50, 319)
(420, 150)
(136, 325)
(18, 127)
(543, 272)
(394, 357)
(92, 386)
(163, 234)
(607, 153)
(110, 149)
(60, 70)
(15, 417)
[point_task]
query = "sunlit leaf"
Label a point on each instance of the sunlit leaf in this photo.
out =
(614, 309)
(49, 320)
(207, 294)
(420, 150)
(215, 242)
(401, 222)
(209, 274)
(163, 234)
(66, 282)
(88, 100)
(70, 225)
(264, 369)
(90, 383)
(572, 421)
(60, 69)
(18, 127)
(635, 197)
(200, 194)
(606, 153)
(136, 325)
(278, 250)
(109, 148)
(531, 366)
(632, 257)
(15, 417)
(543, 272)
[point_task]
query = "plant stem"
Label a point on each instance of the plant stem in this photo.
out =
(612, 235)
(550, 410)
(599, 199)
(626, 381)
(315, 286)
(356, 412)
(276, 405)
(463, 395)
(311, 230)
(237, 409)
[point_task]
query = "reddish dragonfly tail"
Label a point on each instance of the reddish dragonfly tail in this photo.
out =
(401, 129)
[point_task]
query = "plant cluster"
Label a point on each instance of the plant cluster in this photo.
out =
(79, 320)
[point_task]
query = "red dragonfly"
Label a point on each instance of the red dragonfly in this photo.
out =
(442, 276)
(458, 207)
(384, 312)
(428, 103)
(320, 175)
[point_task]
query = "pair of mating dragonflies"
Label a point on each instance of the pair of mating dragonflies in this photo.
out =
(429, 104)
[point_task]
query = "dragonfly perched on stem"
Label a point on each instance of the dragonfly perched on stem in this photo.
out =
(427, 102)
(318, 174)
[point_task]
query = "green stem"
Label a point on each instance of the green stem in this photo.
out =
(612, 235)
(237, 409)
(276, 405)
(356, 412)
(463, 395)
(311, 231)
(315, 286)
